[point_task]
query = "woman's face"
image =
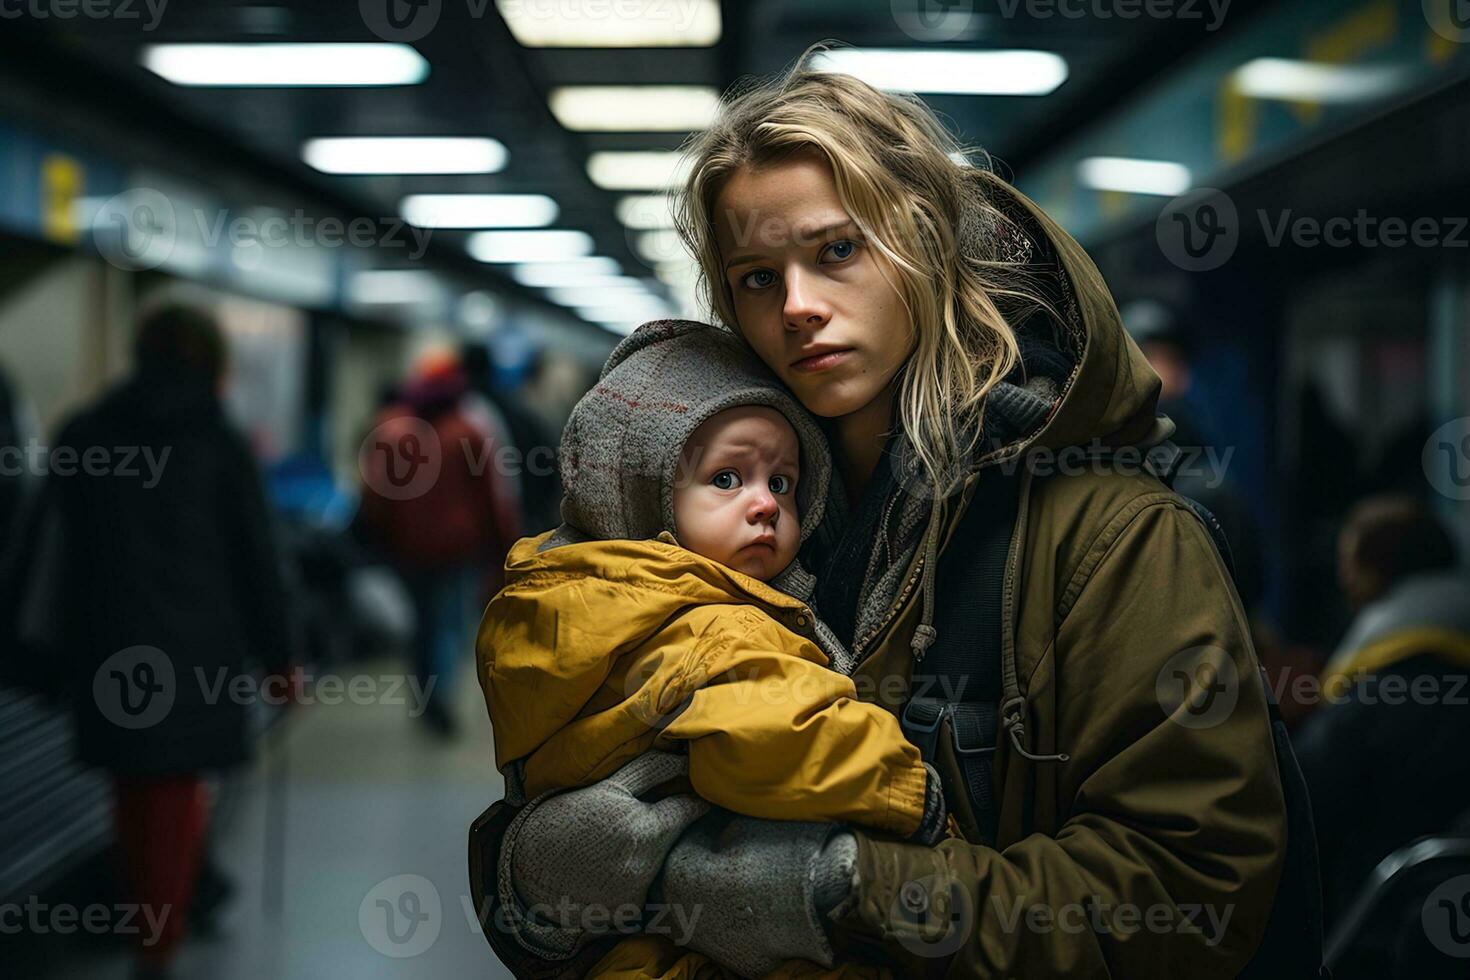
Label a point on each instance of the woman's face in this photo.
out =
(804, 281)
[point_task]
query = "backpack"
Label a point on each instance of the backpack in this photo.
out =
(1292, 946)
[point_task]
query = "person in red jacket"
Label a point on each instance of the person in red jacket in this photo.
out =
(434, 502)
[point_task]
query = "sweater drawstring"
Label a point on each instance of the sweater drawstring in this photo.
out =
(1013, 710)
(1013, 716)
(925, 634)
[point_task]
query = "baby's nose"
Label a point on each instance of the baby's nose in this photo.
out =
(763, 507)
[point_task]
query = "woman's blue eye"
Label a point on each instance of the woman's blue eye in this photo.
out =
(723, 484)
(850, 246)
(780, 484)
(746, 281)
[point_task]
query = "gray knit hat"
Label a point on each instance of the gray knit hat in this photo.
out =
(620, 449)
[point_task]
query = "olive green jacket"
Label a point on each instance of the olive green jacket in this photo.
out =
(1154, 848)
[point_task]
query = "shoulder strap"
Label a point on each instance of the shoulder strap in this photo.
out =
(956, 687)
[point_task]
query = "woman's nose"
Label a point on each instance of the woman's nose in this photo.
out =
(804, 306)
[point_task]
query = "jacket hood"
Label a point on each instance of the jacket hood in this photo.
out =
(621, 446)
(1111, 393)
(1082, 382)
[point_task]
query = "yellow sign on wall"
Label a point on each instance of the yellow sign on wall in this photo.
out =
(63, 179)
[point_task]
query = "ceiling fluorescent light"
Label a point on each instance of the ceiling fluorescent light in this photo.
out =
(611, 293)
(950, 72)
(568, 273)
(1135, 176)
(529, 246)
(260, 65)
(1310, 81)
(663, 245)
(681, 24)
(634, 108)
(405, 155)
(391, 286)
(645, 212)
(656, 310)
(479, 210)
(636, 170)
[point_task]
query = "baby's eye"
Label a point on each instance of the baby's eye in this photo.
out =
(748, 280)
(842, 256)
(726, 480)
(780, 484)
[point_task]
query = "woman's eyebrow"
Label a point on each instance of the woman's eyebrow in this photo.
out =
(841, 224)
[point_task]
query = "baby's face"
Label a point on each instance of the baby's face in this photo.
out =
(735, 494)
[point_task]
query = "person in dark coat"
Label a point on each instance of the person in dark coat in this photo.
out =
(172, 589)
(1384, 756)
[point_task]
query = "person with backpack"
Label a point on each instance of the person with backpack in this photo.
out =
(1053, 625)
(435, 504)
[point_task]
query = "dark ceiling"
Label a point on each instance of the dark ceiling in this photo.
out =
(482, 82)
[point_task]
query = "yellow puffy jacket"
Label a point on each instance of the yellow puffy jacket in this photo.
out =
(598, 651)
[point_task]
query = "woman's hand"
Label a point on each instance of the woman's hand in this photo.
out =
(756, 893)
(577, 865)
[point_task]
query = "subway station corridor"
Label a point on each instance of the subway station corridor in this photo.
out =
(371, 799)
(1048, 382)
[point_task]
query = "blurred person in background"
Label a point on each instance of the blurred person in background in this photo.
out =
(1322, 482)
(1385, 754)
(17, 427)
(1168, 344)
(435, 504)
(18, 491)
(535, 444)
(174, 570)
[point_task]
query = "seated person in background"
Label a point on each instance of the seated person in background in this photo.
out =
(670, 612)
(1385, 754)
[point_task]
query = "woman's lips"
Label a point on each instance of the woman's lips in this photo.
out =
(820, 362)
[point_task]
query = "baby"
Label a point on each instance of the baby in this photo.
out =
(670, 609)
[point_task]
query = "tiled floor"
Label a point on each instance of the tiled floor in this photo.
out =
(376, 816)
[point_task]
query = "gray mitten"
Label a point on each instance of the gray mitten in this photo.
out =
(752, 893)
(577, 865)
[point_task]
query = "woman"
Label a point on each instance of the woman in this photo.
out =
(946, 330)
(171, 588)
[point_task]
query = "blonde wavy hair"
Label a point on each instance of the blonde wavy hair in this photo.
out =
(925, 213)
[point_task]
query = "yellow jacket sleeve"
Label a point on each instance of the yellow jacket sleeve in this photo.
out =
(778, 734)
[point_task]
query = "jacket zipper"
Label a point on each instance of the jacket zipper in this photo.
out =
(893, 611)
